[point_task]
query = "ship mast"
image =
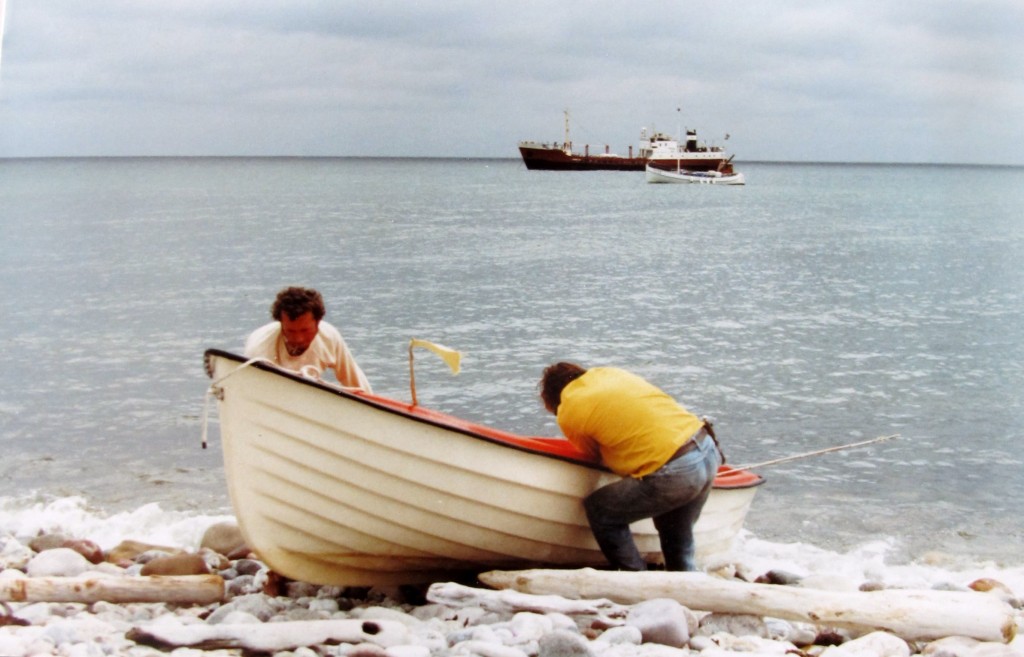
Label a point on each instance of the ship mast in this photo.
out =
(565, 144)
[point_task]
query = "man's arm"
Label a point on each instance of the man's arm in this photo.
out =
(346, 369)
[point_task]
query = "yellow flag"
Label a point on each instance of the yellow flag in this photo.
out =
(450, 356)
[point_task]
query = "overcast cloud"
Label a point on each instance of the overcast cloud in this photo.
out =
(841, 80)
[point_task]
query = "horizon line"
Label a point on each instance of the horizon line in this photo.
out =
(468, 158)
(488, 159)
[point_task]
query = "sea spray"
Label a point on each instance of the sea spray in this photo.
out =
(29, 515)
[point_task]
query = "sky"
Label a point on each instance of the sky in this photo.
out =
(788, 80)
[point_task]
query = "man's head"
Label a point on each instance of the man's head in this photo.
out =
(553, 381)
(299, 310)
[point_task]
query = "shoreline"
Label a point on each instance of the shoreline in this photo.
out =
(164, 522)
(422, 621)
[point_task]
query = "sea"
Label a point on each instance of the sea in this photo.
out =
(816, 307)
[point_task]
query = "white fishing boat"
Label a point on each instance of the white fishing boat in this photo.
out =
(337, 487)
(655, 175)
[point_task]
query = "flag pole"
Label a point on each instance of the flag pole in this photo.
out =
(450, 356)
(412, 375)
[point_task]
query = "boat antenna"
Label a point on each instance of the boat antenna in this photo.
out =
(565, 144)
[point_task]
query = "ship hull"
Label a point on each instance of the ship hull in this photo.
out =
(699, 161)
(554, 159)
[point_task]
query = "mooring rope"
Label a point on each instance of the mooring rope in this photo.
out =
(213, 390)
(784, 459)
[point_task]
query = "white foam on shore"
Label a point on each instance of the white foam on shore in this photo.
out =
(868, 563)
(25, 517)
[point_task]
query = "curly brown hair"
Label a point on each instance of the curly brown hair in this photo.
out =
(553, 381)
(297, 301)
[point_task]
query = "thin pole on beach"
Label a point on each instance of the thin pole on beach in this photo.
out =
(785, 459)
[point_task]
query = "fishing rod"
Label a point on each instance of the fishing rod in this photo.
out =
(784, 459)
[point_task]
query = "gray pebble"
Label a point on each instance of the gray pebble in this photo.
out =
(562, 643)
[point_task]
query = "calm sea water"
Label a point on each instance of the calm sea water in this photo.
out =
(819, 305)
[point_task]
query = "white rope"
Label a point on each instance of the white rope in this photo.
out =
(212, 390)
(815, 453)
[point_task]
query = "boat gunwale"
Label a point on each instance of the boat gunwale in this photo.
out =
(726, 479)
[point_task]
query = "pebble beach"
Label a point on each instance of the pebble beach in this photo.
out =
(261, 613)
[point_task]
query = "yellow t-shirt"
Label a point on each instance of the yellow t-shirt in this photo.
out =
(632, 425)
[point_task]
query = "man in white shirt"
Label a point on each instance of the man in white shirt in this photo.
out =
(299, 340)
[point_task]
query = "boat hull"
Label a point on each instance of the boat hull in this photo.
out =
(655, 175)
(342, 488)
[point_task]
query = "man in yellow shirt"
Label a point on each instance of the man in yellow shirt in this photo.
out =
(661, 450)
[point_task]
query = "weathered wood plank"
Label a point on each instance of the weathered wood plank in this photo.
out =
(183, 589)
(909, 614)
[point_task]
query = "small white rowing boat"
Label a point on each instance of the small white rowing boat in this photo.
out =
(655, 175)
(352, 489)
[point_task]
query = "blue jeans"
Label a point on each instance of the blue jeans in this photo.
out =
(672, 496)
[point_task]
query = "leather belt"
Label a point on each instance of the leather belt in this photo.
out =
(690, 444)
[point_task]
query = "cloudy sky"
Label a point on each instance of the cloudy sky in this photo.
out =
(790, 80)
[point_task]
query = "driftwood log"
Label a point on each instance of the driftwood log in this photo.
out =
(452, 594)
(911, 615)
(271, 637)
(183, 589)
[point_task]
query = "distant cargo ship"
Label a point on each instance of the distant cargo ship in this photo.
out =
(657, 149)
